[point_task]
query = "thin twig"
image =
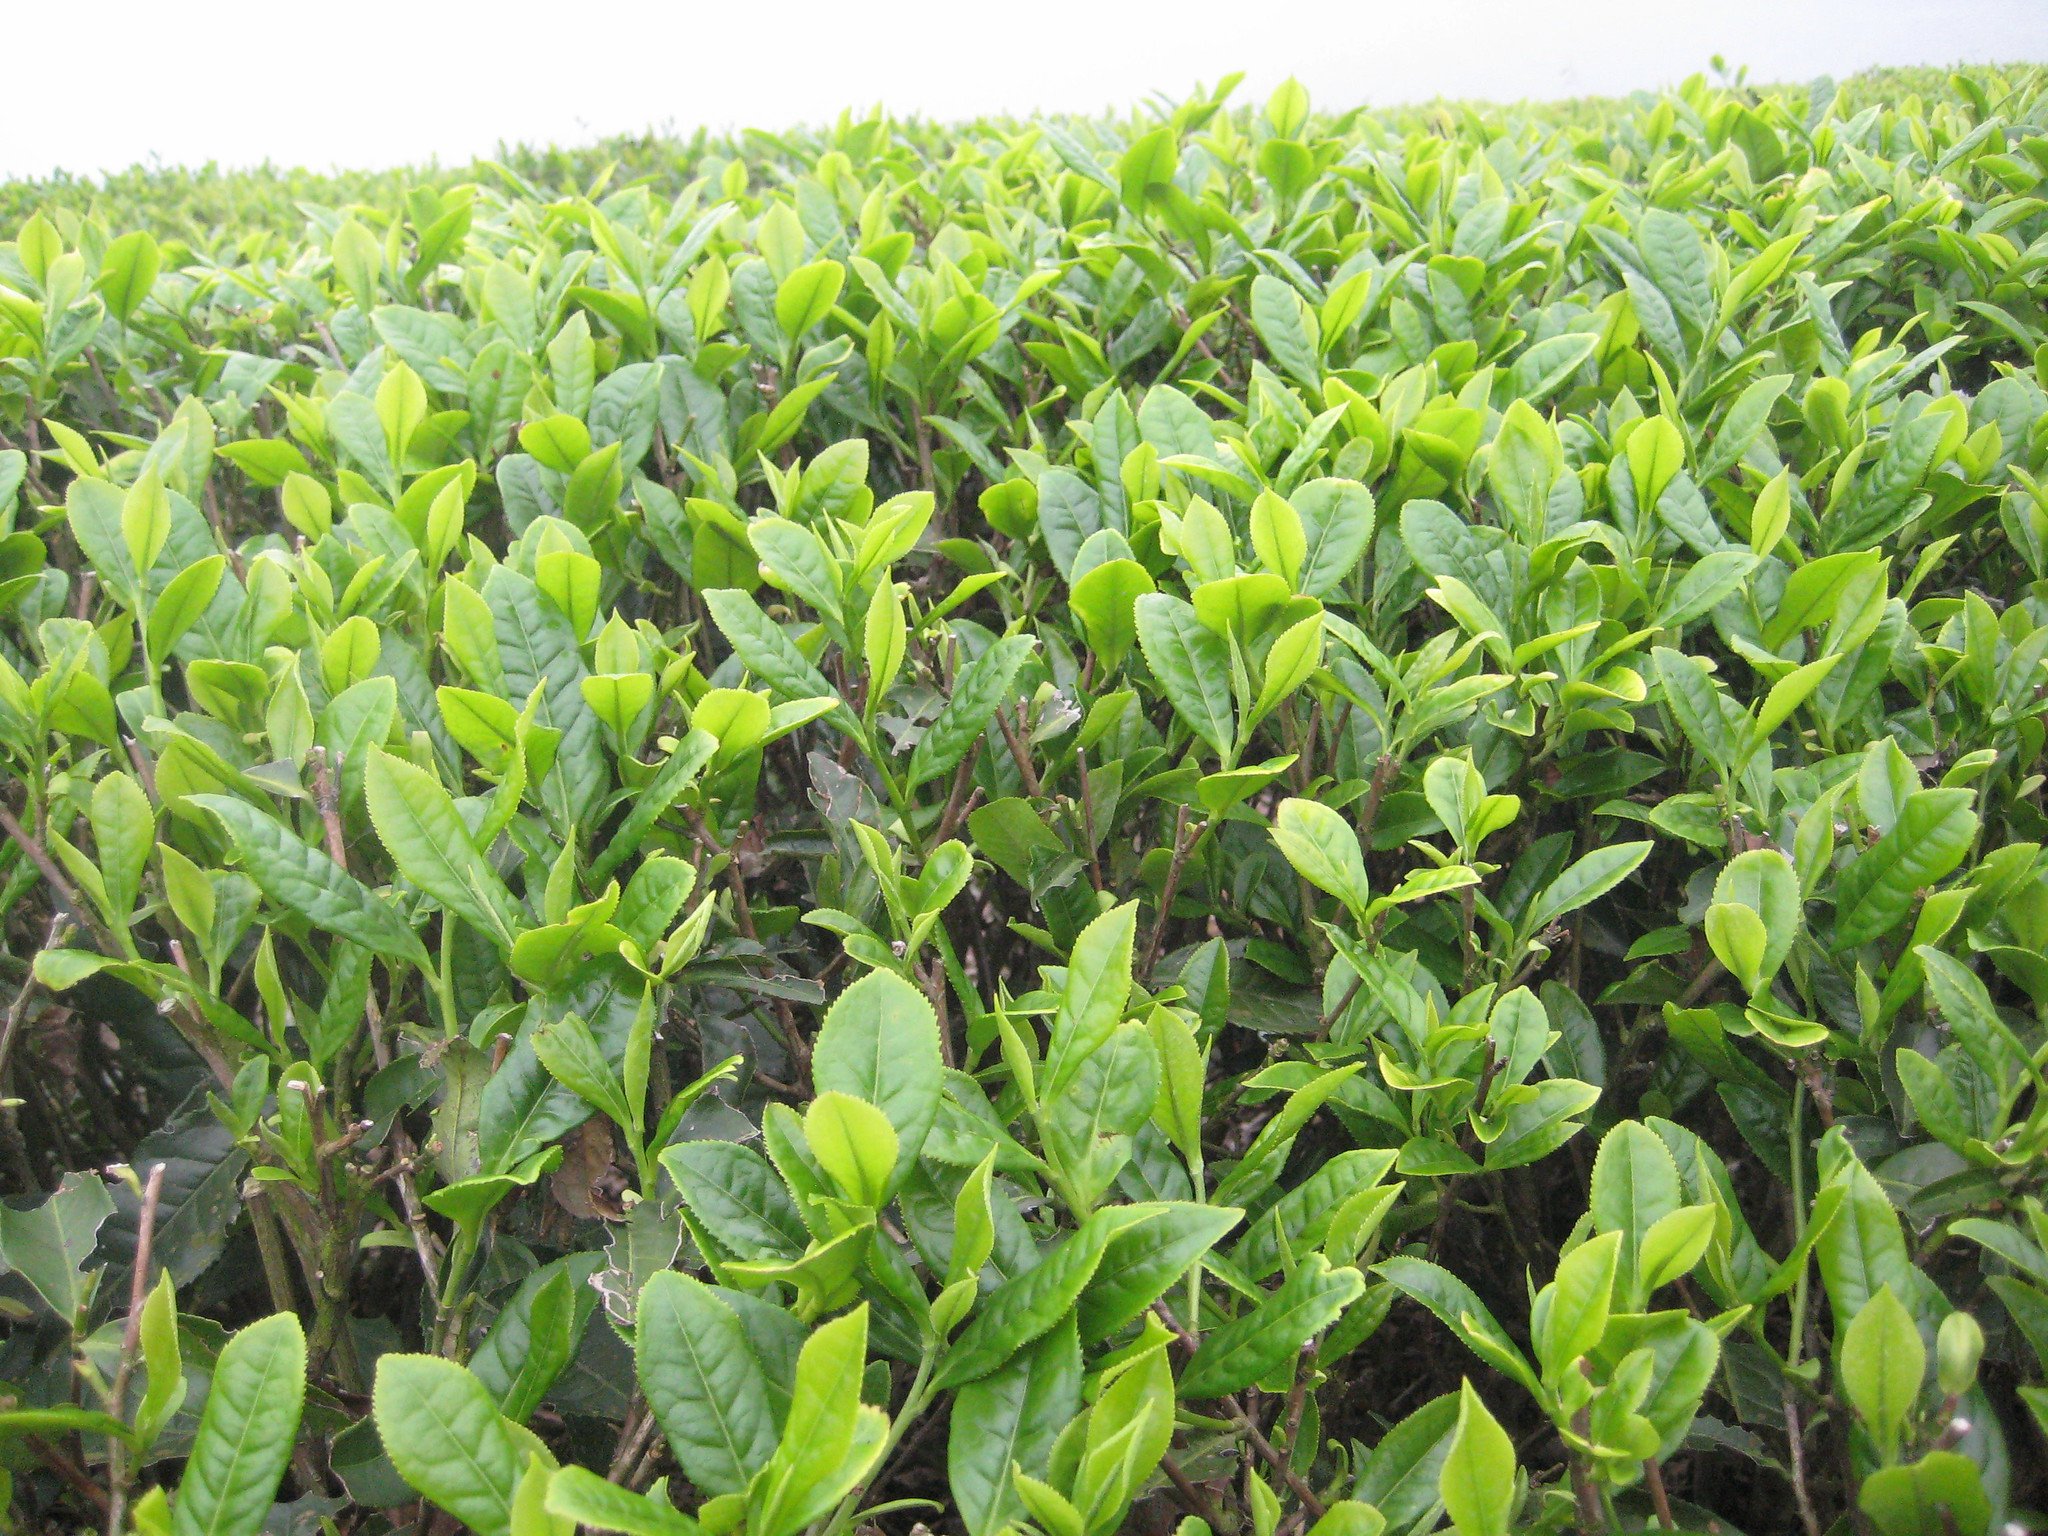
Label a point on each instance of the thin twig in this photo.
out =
(1088, 816)
(327, 799)
(10, 1030)
(1795, 1444)
(18, 1009)
(47, 867)
(53, 1457)
(403, 1161)
(145, 770)
(1183, 845)
(1174, 1326)
(1297, 1393)
(1329, 1020)
(1818, 1087)
(328, 1283)
(1383, 775)
(1280, 1464)
(642, 1471)
(964, 798)
(1020, 753)
(1653, 1474)
(633, 1436)
(1236, 1409)
(270, 1246)
(1191, 1496)
(197, 1032)
(131, 1346)
(1591, 1520)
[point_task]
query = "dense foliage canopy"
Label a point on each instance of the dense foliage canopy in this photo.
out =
(1230, 817)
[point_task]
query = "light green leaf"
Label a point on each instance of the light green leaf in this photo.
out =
(302, 878)
(1459, 1309)
(443, 1433)
(1585, 880)
(880, 1042)
(1192, 665)
(982, 688)
(1011, 1417)
(1933, 833)
(704, 1382)
(1570, 1313)
(580, 1495)
(806, 296)
(246, 1431)
(1026, 1307)
(1092, 1002)
(430, 843)
(1477, 1484)
(1883, 1363)
(854, 1145)
(1143, 1259)
(1323, 848)
(1288, 327)
(1250, 1347)
(1635, 1184)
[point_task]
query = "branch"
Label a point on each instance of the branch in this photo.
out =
(39, 856)
(1183, 845)
(131, 1345)
(1020, 753)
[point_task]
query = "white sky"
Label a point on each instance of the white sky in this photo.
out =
(371, 83)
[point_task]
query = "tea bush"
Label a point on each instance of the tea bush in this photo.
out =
(1228, 819)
